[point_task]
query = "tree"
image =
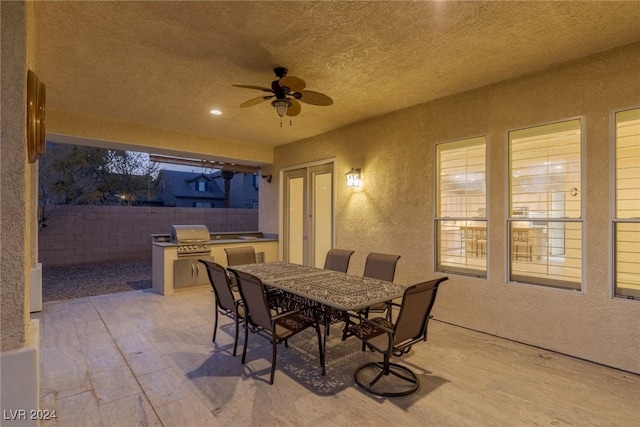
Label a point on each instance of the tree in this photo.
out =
(81, 175)
(131, 175)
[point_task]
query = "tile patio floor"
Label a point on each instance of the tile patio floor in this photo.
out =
(140, 359)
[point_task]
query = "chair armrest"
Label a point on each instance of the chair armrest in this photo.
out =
(378, 325)
(285, 314)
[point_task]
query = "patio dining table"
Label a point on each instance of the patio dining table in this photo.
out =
(331, 293)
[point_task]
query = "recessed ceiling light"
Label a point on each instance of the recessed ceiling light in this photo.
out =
(216, 112)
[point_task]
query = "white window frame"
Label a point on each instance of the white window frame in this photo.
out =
(478, 273)
(582, 220)
(614, 220)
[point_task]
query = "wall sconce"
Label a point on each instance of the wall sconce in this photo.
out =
(267, 178)
(354, 178)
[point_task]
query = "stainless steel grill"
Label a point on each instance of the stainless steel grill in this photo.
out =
(192, 240)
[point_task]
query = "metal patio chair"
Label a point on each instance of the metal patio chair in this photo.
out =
(227, 303)
(237, 255)
(276, 328)
(395, 339)
(338, 260)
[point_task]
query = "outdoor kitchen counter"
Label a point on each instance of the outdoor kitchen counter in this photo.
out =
(165, 254)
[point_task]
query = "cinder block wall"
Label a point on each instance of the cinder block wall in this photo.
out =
(87, 234)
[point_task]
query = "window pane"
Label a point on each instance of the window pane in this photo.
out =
(549, 255)
(627, 205)
(628, 164)
(627, 255)
(545, 184)
(545, 168)
(461, 207)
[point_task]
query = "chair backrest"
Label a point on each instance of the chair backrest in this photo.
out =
(520, 235)
(240, 255)
(465, 233)
(338, 260)
(381, 266)
(220, 284)
(254, 300)
(417, 302)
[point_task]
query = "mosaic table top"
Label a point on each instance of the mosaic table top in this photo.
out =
(269, 271)
(341, 291)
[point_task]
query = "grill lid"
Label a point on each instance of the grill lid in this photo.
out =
(186, 234)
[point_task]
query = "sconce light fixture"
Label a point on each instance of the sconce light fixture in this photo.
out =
(354, 178)
(267, 178)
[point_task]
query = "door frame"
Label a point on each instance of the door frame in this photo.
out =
(333, 162)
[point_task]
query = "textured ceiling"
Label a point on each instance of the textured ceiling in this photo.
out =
(166, 64)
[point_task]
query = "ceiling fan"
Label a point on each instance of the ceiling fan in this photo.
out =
(287, 91)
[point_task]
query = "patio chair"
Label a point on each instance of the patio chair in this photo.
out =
(382, 267)
(338, 260)
(276, 328)
(395, 339)
(227, 302)
(240, 255)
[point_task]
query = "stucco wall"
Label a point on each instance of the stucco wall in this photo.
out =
(86, 234)
(393, 212)
(14, 178)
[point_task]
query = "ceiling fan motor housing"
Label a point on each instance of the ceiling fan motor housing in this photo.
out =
(280, 72)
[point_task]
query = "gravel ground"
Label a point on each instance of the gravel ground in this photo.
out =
(60, 283)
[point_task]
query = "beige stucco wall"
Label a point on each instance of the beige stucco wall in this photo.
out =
(393, 212)
(15, 239)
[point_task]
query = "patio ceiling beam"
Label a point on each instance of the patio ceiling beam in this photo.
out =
(226, 167)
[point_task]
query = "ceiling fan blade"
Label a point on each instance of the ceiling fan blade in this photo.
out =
(266, 89)
(314, 98)
(294, 109)
(254, 101)
(294, 83)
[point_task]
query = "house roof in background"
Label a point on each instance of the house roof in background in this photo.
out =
(178, 184)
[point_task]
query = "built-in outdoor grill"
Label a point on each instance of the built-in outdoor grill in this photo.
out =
(192, 240)
(193, 244)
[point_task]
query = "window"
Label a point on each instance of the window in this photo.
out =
(201, 186)
(626, 222)
(202, 205)
(544, 222)
(461, 205)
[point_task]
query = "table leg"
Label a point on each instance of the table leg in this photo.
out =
(323, 356)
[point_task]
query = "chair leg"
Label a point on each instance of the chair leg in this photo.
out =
(273, 359)
(366, 316)
(235, 340)
(320, 347)
(246, 339)
(215, 325)
(347, 322)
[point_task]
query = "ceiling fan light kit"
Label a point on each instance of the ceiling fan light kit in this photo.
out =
(281, 106)
(287, 91)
